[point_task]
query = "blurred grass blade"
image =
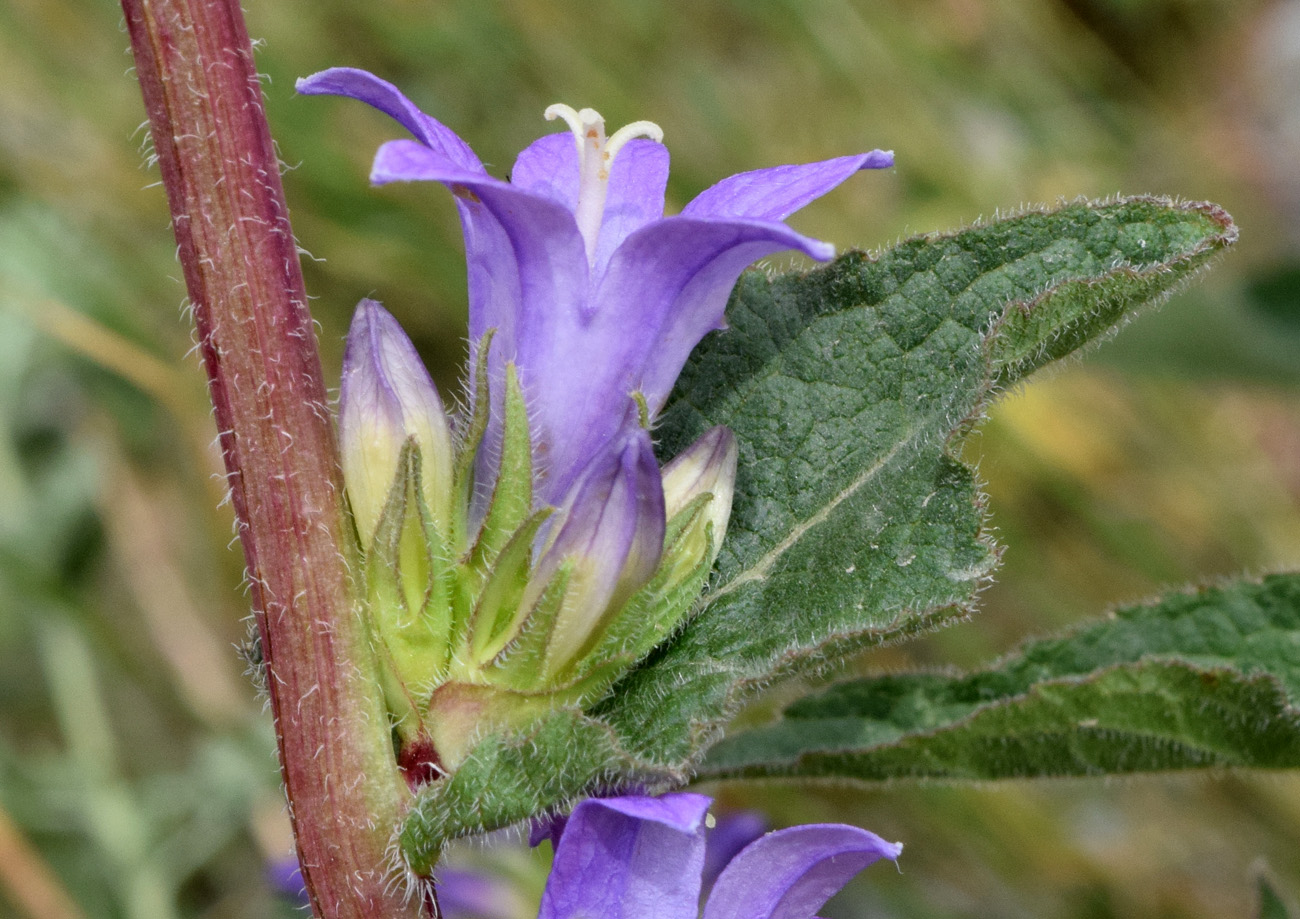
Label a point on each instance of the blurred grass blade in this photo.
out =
(1271, 904)
(28, 880)
(115, 353)
(1209, 679)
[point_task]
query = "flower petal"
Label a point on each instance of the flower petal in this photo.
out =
(666, 287)
(732, 833)
(285, 877)
(549, 167)
(637, 183)
(629, 858)
(380, 94)
(412, 161)
(789, 874)
(776, 193)
(465, 894)
(522, 248)
(547, 827)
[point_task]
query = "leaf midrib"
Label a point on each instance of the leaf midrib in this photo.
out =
(759, 570)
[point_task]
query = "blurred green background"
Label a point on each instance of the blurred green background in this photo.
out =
(137, 776)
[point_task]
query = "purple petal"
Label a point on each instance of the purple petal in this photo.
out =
(724, 842)
(473, 895)
(612, 530)
(285, 878)
(412, 161)
(776, 193)
(637, 183)
(549, 167)
(548, 827)
(629, 858)
(666, 287)
(370, 89)
(528, 279)
(789, 874)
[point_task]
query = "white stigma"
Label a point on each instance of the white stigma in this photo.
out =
(595, 158)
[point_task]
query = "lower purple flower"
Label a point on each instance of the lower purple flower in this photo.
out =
(642, 858)
(730, 834)
(465, 894)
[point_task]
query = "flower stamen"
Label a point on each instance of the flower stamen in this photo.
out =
(595, 159)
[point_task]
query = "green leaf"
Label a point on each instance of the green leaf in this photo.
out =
(853, 523)
(1207, 679)
(848, 389)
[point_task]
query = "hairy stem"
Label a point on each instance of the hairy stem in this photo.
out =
(196, 71)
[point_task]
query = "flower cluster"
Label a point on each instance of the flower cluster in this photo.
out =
(523, 554)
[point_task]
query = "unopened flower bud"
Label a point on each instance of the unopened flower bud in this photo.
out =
(611, 533)
(386, 396)
(707, 466)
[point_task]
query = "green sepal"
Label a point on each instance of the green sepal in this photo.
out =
(497, 616)
(639, 626)
(688, 541)
(643, 622)
(409, 581)
(521, 663)
(512, 494)
(467, 448)
(404, 710)
(460, 714)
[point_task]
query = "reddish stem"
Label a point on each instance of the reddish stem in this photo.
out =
(346, 794)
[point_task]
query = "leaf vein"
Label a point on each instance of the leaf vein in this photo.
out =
(759, 570)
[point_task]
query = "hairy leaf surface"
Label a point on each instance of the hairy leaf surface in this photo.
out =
(848, 389)
(1210, 678)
